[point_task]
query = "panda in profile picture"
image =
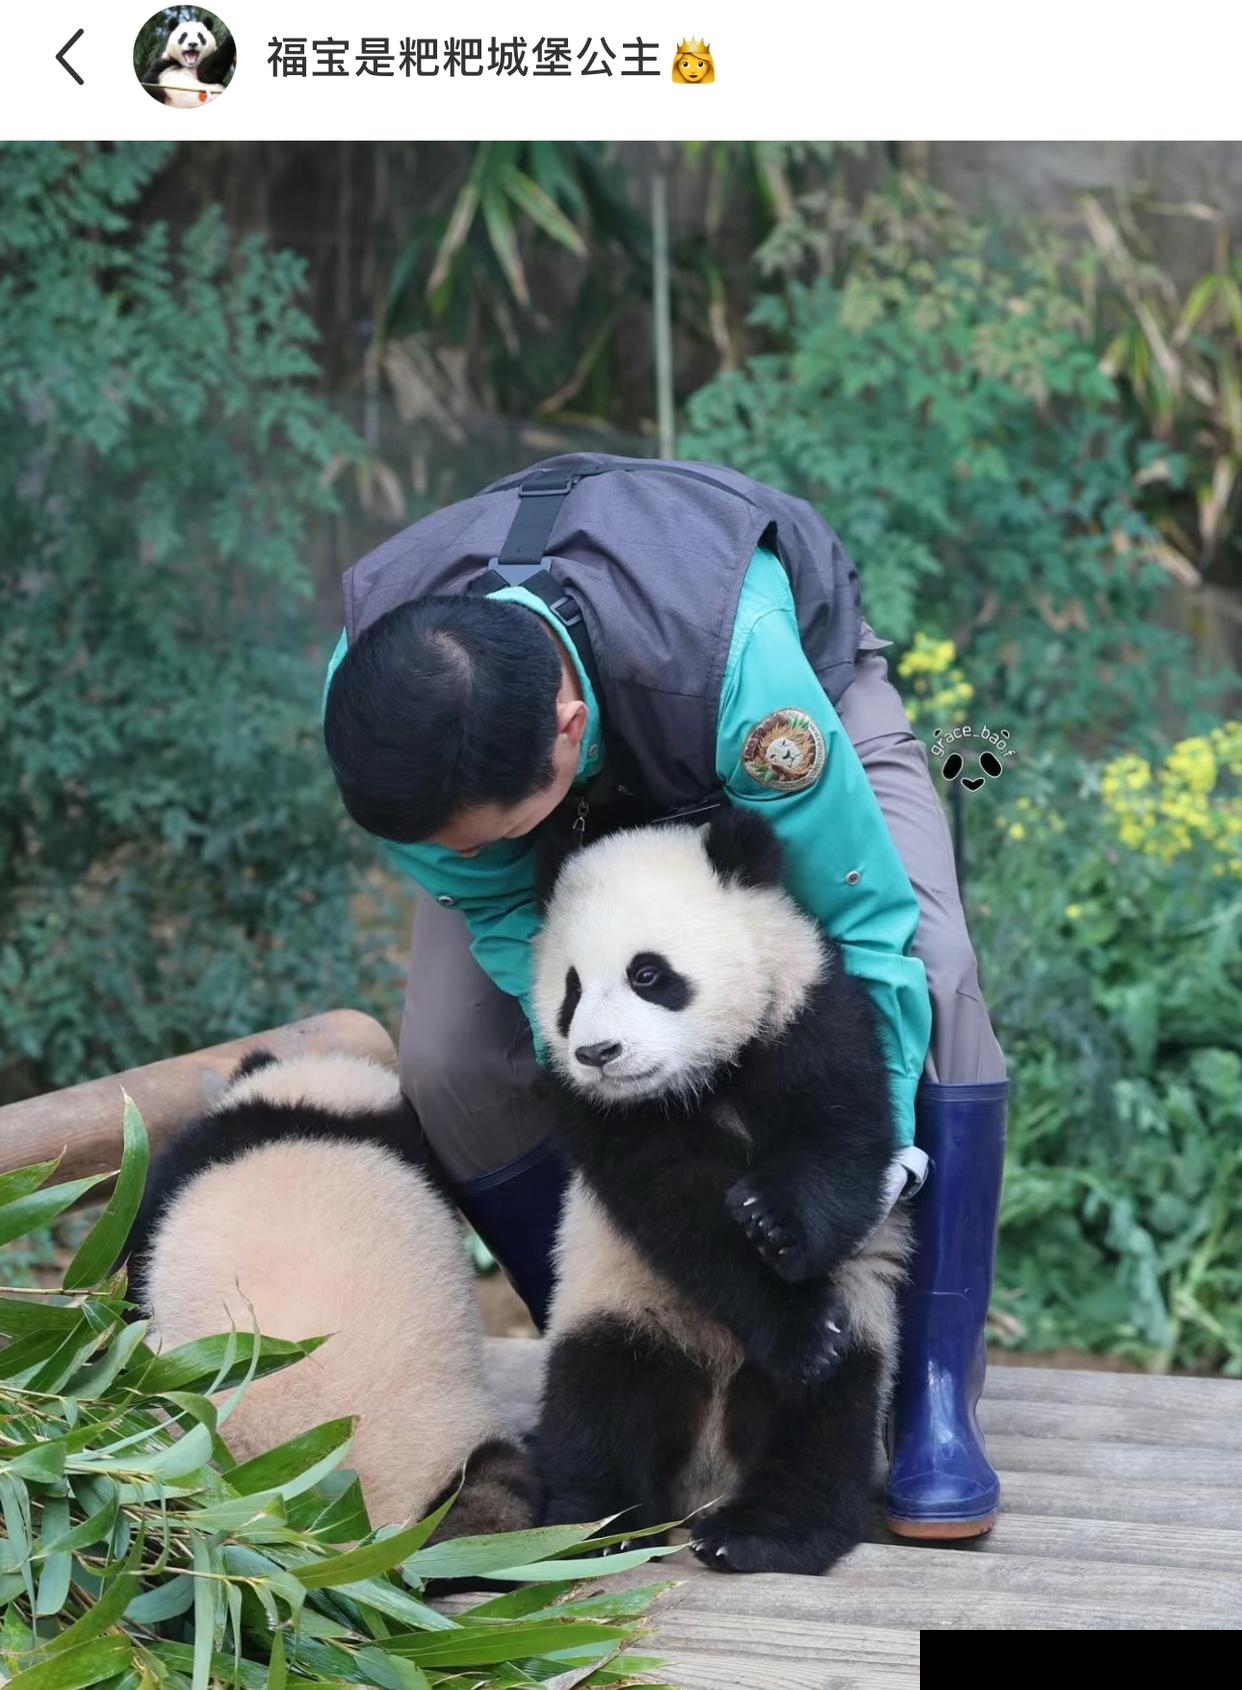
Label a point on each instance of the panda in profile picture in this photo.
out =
(188, 66)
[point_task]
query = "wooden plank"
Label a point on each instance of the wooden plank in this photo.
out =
(1085, 1498)
(708, 1651)
(1201, 1549)
(85, 1122)
(1128, 1423)
(1070, 1457)
(873, 1588)
(918, 1567)
(514, 1371)
(1113, 1390)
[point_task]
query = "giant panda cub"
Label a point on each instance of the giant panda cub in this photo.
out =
(191, 69)
(724, 1323)
(300, 1202)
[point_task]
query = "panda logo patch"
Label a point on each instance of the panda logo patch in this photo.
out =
(785, 752)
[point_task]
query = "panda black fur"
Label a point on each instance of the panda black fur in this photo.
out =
(725, 1316)
(302, 1200)
(192, 68)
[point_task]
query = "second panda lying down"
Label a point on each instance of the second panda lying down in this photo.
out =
(725, 1315)
(300, 1202)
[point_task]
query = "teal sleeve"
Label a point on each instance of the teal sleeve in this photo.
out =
(829, 830)
(494, 891)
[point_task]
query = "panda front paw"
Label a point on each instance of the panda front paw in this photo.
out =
(770, 1220)
(808, 1349)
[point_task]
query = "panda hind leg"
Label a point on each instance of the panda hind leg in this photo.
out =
(620, 1414)
(807, 1458)
(501, 1492)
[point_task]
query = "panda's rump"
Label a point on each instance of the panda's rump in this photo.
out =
(311, 1238)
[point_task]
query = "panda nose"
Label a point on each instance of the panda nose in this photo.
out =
(598, 1056)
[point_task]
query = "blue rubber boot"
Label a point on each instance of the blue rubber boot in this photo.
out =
(515, 1211)
(940, 1483)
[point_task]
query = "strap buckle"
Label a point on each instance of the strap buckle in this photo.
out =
(517, 574)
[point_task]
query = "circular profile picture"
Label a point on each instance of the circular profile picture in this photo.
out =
(184, 56)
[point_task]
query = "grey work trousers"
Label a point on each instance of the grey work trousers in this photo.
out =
(466, 1054)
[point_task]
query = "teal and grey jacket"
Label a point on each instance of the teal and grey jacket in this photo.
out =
(778, 742)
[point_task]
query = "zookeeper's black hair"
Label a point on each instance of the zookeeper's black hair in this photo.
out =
(442, 704)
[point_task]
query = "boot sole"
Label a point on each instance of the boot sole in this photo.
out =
(940, 1531)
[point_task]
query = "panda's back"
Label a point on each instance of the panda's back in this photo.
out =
(344, 1240)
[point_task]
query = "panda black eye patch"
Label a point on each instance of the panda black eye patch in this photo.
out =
(573, 992)
(655, 980)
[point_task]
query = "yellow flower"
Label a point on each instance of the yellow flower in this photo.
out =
(1191, 763)
(1073, 911)
(1017, 831)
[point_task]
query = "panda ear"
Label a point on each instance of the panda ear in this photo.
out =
(550, 853)
(741, 846)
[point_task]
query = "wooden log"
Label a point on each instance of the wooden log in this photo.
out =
(84, 1122)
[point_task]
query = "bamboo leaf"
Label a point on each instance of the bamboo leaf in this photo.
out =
(113, 1602)
(543, 210)
(33, 1212)
(96, 1528)
(277, 1671)
(97, 1379)
(166, 1601)
(15, 1506)
(23, 1180)
(196, 1365)
(455, 235)
(297, 1464)
(23, 1317)
(90, 1663)
(58, 1566)
(587, 1566)
(103, 1243)
(206, 1614)
(459, 1557)
(502, 232)
(503, 1641)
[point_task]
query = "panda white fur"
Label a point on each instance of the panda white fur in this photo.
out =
(300, 1201)
(182, 75)
(725, 1319)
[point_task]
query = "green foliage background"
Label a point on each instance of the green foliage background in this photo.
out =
(174, 865)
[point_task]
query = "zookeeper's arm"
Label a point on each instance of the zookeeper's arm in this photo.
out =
(832, 827)
(494, 890)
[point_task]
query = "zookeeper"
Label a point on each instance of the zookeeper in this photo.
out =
(602, 637)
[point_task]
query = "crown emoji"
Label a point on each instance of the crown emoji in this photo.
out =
(699, 49)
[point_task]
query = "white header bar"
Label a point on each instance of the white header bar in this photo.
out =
(602, 69)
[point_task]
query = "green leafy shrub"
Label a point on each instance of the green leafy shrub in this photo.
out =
(1121, 1228)
(175, 867)
(137, 1552)
(937, 393)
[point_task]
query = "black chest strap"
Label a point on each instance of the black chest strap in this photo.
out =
(525, 550)
(522, 561)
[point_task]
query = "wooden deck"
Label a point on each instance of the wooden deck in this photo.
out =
(1121, 1510)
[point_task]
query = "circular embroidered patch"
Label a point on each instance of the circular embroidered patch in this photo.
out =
(785, 751)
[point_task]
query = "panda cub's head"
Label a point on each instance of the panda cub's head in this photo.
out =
(666, 950)
(189, 43)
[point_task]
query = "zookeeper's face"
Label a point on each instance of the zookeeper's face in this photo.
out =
(484, 824)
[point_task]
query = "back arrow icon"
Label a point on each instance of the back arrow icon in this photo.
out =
(63, 62)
